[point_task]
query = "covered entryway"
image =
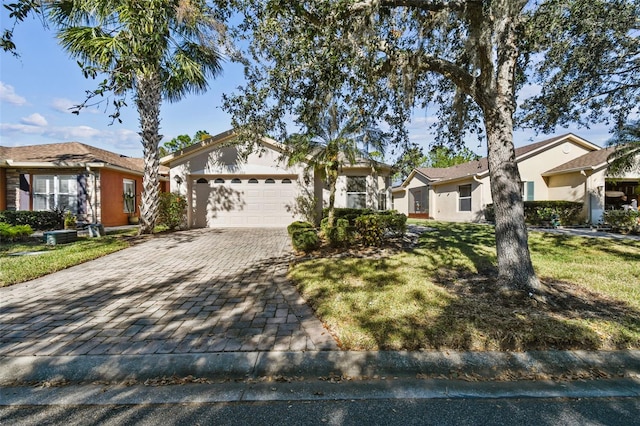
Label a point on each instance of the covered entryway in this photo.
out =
(243, 201)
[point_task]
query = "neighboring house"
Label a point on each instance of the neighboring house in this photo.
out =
(226, 189)
(566, 168)
(98, 186)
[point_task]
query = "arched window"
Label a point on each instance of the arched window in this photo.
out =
(286, 180)
(219, 180)
(235, 180)
(269, 181)
(253, 180)
(202, 180)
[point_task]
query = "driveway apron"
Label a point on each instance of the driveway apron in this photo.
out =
(195, 291)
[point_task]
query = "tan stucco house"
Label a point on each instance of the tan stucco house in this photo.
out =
(89, 182)
(565, 167)
(225, 188)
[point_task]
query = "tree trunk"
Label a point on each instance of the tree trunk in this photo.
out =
(148, 100)
(332, 181)
(515, 270)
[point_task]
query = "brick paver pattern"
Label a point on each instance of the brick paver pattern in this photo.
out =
(195, 291)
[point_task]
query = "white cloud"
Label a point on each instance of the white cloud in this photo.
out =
(123, 141)
(63, 105)
(34, 120)
(9, 95)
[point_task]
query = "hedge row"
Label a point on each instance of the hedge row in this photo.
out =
(37, 220)
(365, 226)
(545, 212)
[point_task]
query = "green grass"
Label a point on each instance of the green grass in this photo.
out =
(16, 269)
(442, 295)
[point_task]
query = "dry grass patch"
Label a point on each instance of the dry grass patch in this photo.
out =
(442, 295)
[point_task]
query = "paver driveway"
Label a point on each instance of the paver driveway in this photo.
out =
(201, 290)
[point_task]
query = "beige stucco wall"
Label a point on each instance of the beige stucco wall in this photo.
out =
(444, 201)
(531, 168)
(400, 203)
(377, 182)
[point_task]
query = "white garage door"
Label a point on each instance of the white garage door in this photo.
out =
(243, 202)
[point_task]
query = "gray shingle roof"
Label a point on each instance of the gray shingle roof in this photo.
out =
(481, 166)
(591, 159)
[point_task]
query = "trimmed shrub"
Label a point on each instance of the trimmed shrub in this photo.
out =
(303, 236)
(37, 220)
(172, 210)
(623, 221)
(298, 226)
(394, 222)
(14, 232)
(341, 234)
(545, 212)
(371, 229)
(347, 213)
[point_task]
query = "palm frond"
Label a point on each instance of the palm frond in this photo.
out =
(626, 156)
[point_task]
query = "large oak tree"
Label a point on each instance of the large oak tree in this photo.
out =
(465, 60)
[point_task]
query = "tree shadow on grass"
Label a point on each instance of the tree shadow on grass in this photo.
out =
(458, 305)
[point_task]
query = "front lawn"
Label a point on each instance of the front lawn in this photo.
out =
(441, 295)
(31, 259)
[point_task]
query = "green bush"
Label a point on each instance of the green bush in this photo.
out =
(305, 240)
(341, 234)
(371, 229)
(38, 220)
(623, 221)
(542, 212)
(14, 232)
(297, 226)
(394, 222)
(347, 213)
(172, 211)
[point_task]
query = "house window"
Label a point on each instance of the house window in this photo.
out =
(269, 181)
(356, 192)
(129, 193)
(382, 200)
(526, 190)
(218, 180)
(202, 180)
(253, 180)
(464, 198)
(55, 192)
(286, 180)
(235, 180)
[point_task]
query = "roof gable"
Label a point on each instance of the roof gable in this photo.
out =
(227, 138)
(481, 167)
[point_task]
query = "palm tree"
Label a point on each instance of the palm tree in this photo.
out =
(151, 48)
(336, 139)
(626, 156)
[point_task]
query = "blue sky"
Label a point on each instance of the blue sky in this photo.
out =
(38, 88)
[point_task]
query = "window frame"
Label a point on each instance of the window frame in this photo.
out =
(465, 198)
(356, 196)
(129, 195)
(53, 194)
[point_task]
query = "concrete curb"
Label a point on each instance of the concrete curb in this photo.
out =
(234, 365)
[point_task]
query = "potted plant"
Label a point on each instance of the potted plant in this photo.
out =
(69, 220)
